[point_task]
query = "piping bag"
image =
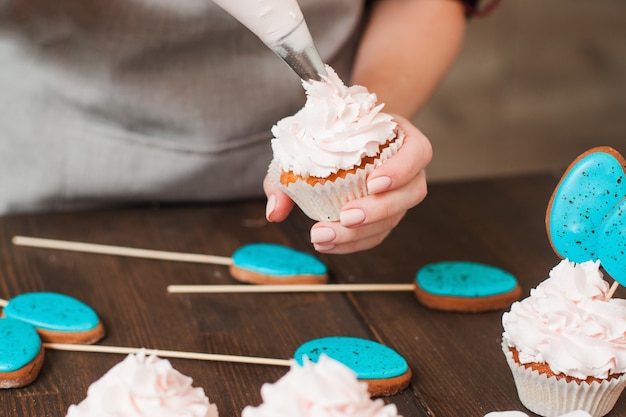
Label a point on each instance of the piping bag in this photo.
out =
(281, 26)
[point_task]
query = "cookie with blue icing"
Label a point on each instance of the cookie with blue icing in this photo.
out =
(21, 353)
(612, 243)
(57, 317)
(268, 263)
(384, 370)
(590, 189)
(465, 287)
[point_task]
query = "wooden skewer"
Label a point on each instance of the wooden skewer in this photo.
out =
(612, 290)
(221, 289)
(120, 250)
(167, 354)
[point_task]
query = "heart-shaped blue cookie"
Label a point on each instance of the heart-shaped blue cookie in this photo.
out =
(590, 189)
(612, 243)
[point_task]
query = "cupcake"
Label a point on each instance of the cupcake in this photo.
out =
(566, 343)
(324, 153)
(143, 386)
(324, 388)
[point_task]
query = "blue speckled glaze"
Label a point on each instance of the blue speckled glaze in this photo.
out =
(585, 195)
(52, 311)
(368, 359)
(464, 279)
(612, 243)
(19, 344)
(277, 260)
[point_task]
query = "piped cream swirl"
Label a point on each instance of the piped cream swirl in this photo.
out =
(337, 127)
(143, 386)
(323, 389)
(567, 323)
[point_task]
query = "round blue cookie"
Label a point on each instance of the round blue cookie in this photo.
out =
(465, 286)
(268, 263)
(57, 317)
(384, 370)
(21, 353)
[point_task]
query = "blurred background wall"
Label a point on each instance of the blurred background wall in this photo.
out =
(537, 83)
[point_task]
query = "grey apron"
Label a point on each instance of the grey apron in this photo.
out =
(118, 101)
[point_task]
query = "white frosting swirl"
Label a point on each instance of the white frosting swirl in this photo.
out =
(323, 389)
(567, 323)
(336, 128)
(144, 386)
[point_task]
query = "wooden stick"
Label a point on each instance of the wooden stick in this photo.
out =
(120, 250)
(612, 290)
(3, 303)
(220, 289)
(167, 353)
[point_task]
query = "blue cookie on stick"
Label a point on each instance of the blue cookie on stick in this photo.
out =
(21, 353)
(268, 263)
(463, 286)
(586, 219)
(56, 317)
(384, 370)
(612, 243)
(255, 263)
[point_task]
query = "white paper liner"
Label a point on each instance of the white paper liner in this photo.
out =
(323, 202)
(552, 397)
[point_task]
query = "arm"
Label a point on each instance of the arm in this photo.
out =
(407, 47)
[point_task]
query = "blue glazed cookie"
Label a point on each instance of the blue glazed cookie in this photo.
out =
(384, 370)
(588, 191)
(268, 263)
(21, 353)
(57, 317)
(465, 286)
(612, 243)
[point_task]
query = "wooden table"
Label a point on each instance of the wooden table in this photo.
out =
(458, 367)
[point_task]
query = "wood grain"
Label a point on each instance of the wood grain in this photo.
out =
(458, 368)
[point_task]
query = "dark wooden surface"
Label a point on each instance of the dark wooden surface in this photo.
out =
(458, 368)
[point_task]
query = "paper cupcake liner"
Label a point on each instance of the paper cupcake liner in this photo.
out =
(552, 397)
(323, 202)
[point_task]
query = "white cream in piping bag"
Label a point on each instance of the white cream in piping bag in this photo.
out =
(281, 26)
(270, 20)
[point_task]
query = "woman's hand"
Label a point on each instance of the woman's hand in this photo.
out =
(394, 187)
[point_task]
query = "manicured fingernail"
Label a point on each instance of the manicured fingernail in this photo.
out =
(377, 185)
(322, 235)
(351, 217)
(269, 208)
(323, 248)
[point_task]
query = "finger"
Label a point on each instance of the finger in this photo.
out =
(331, 237)
(375, 208)
(279, 204)
(352, 246)
(412, 157)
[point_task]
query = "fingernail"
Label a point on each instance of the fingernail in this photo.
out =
(351, 217)
(322, 235)
(377, 185)
(269, 208)
(323, 248)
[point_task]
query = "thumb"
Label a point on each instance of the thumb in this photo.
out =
(279, 205)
